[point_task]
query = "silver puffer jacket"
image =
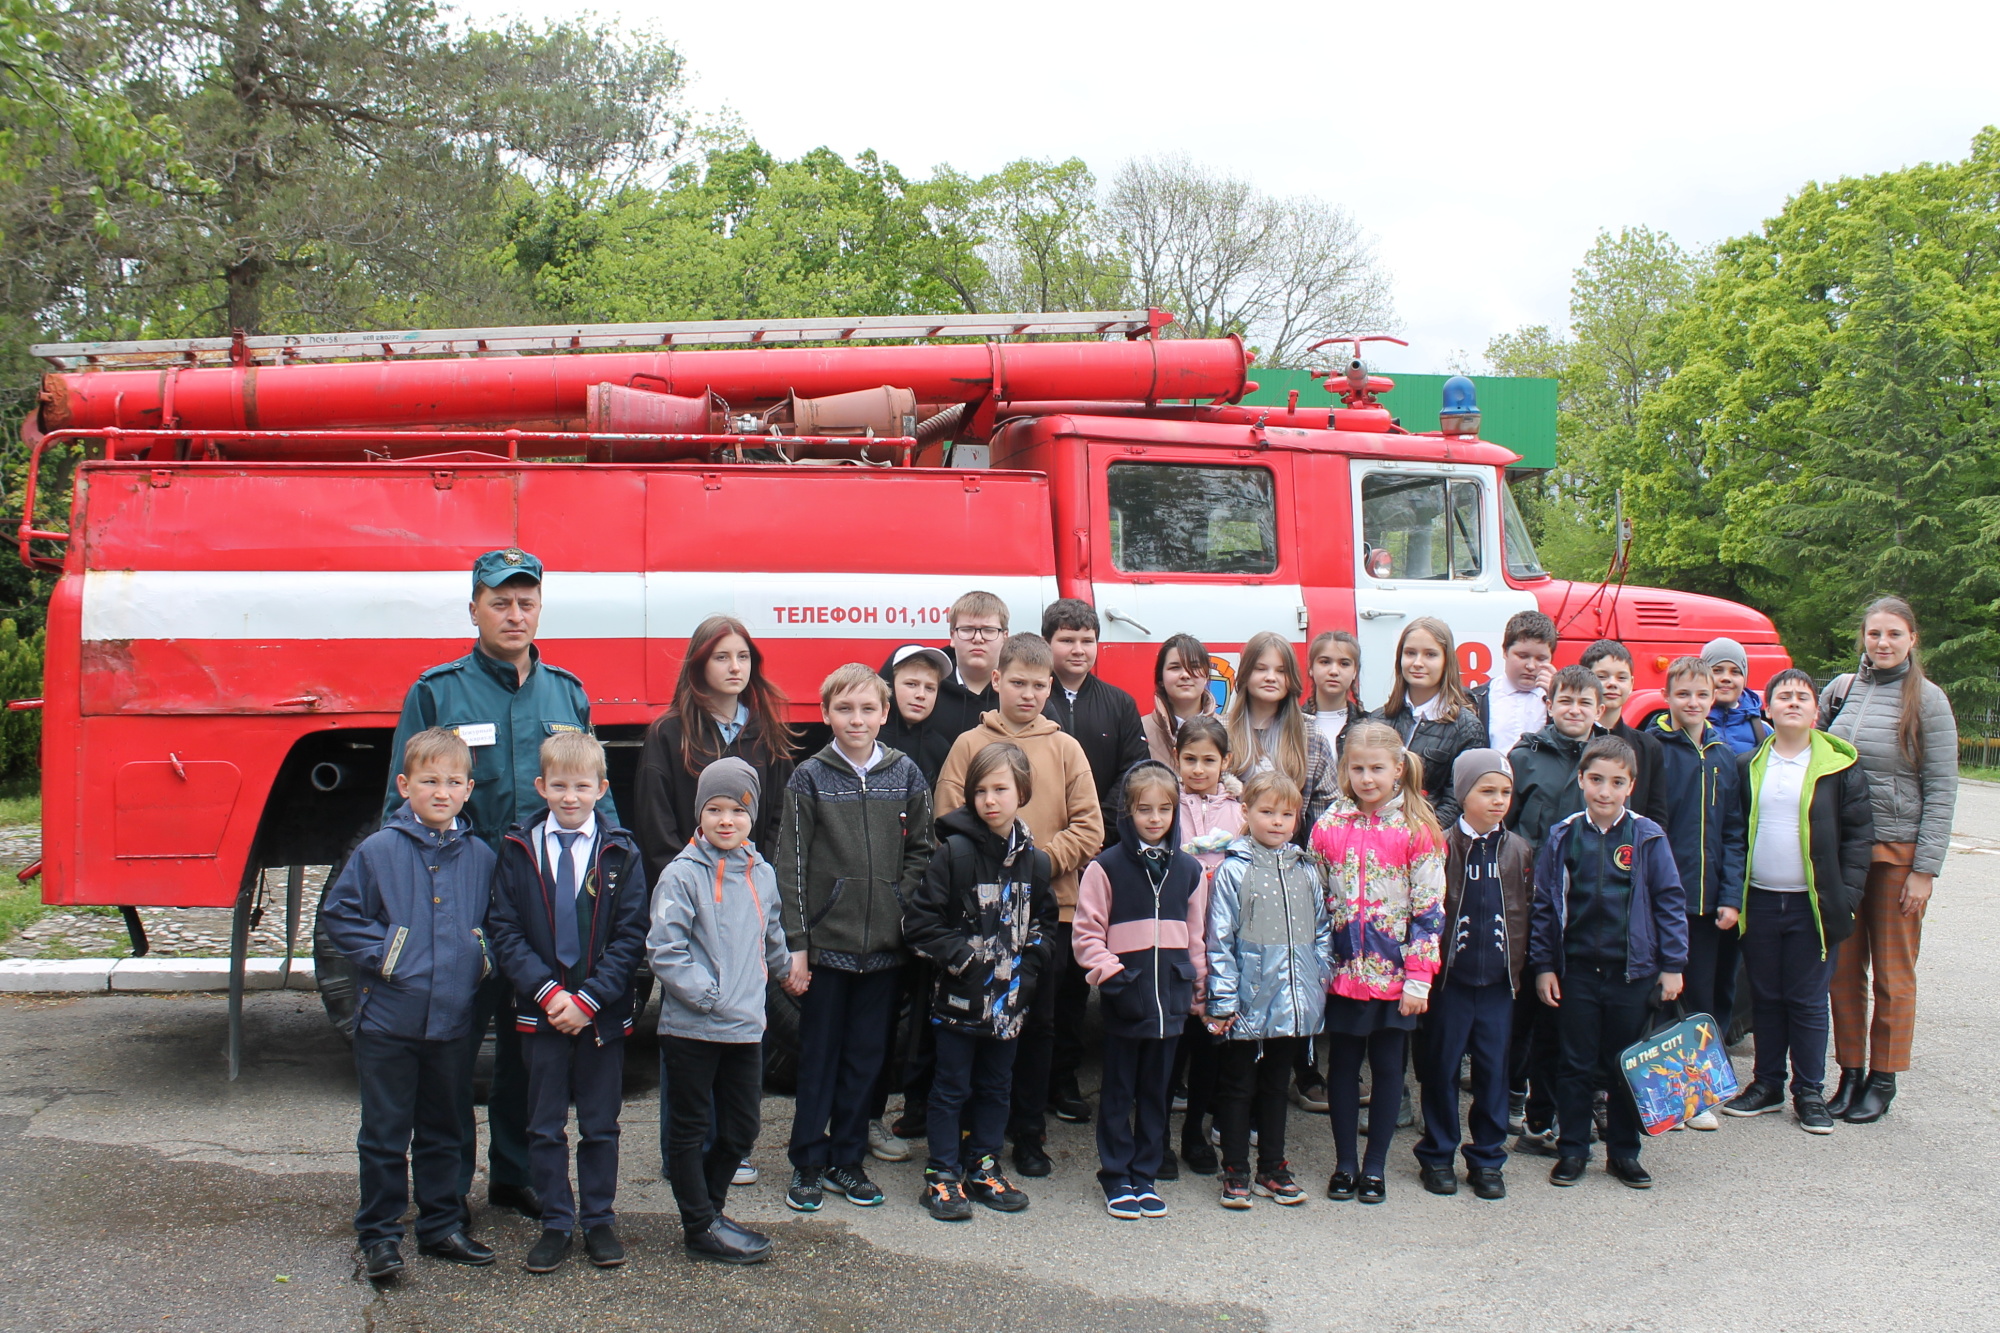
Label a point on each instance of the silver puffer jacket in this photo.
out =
(1912, 804)
(1270, 942)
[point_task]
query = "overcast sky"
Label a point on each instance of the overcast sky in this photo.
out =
(1482, 145)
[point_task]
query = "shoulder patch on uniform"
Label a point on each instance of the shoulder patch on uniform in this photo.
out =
(555, 727)
(567, 675)
(444, 669)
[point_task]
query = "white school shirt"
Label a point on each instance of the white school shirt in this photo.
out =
(579, 850)
(862, 768)
(1778, 861)
(1512, 714)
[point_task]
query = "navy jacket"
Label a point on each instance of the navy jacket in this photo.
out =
(1694, 798)
(1656, 937)
(521, 923)
(1137, 922)
(409, 910)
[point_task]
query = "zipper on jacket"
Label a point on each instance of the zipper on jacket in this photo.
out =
(1291, 949)
(868, 854)
(1159, 1008)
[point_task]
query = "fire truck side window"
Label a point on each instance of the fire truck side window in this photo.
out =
(1421, 527)
(1171, 518)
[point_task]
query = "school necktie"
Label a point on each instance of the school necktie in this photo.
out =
(568, 950)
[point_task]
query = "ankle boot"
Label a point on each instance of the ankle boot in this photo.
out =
(1849, 1092)
(1873, 1103)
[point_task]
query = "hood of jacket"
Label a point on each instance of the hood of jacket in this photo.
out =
(404, 820)
(1749, 704)
(1003, 730)
(966, 822)
(1568, 748)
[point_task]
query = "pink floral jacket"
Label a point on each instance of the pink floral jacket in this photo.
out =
(1385, 893)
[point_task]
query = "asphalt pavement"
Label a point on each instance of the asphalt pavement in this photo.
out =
(140, 1189)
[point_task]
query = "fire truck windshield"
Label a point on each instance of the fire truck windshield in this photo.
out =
(1522, 562)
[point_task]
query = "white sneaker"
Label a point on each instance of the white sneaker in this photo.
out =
(885, 1146)
(746, 1174)
(1706, 1120)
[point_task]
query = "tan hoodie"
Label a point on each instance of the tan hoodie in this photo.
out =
(1063, 816)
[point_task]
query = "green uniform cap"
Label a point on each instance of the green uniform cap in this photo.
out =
(496, 567)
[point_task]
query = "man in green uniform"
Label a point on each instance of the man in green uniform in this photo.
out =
(503, 701)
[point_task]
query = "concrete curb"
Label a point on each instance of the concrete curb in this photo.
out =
(82, 976)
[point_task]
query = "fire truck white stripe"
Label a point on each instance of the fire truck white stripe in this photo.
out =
(269, 606)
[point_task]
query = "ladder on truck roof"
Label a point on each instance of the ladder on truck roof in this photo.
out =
(282, 349)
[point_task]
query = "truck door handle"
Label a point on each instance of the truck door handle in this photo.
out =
(1113, 613)
(1373, 614)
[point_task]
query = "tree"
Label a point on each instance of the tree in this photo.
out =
(1027, 237)
(1227, 258)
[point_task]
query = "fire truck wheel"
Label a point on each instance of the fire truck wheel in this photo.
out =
(335, 975)
(781, 1040)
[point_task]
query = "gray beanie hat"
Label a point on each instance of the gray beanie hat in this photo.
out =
(1472, 765)
(727, 777)
(1725, 650)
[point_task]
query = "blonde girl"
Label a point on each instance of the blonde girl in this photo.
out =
(1385, 892)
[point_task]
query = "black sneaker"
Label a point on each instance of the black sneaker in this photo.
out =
(1814, 1118)
(944, 1197)
(1235, 1191)
(804, 1195)
(1487, 1182)
(1439, 1179)
(1067, 1103)
(853, 1182)
(1567, 1170)
(984, 1184)
(1517, 1113)
(1278, 1186)
(1537, 1143)
(1757, 1099)
(1170, 1166)
(1031, 1159)
(1199, 1154)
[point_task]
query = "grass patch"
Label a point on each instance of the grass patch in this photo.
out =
(1979, 774)
(20, 904)
(20, 803)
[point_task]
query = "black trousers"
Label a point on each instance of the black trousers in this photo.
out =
(1029, 1120)
(843, 1034)
(1709, 985)
(410, 1094)
(574, 1070)
(506, 1101)
(1251, 1085)
(1072, 987)
(907, 1066)
(971, 1084)
(1788, 988)
(1600, 1015)
(1385, 1051)
(1197, 1057)
(1132, 1109)
(713, 1088)
(1531, 1056)
(1474, 1019)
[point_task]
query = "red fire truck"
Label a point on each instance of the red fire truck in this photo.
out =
(269, 539)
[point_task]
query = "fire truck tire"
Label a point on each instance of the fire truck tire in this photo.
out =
(333, 973)
(781, 1040)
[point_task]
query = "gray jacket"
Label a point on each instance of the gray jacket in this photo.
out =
(1270, 942)
(1911, 804)
(715, 942)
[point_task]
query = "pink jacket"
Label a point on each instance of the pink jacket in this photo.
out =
(1385, 894)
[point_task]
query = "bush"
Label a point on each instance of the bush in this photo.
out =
(20, 678)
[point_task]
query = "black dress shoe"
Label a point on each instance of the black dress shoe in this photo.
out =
(603, 1246)
(382, 1260)
(1849, 1092)
(549, 1252)
(1373, 1189)
(1199, 1154)
(1030, 1159)
(458, 1248)
(1873, 1103)
(1439, 1179)
(1487, 1182)
(1341, 1185)
(1628, 1171)
(521, 1198)
(725, 1245)
(743, 1233)
(1567, 1170)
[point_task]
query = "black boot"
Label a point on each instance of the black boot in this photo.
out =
(1873, 1103)
(1849, 1092)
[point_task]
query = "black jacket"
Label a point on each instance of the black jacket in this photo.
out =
(1696, 801)
(958, 709)
(990, 947)
(1545, 786)
(926, 742)
(667, 814)
(1648, 750)
(1437, 745)
(1105, 722)
(521, 922)
(1840, 832)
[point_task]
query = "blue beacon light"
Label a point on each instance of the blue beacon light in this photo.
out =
(1460, 415)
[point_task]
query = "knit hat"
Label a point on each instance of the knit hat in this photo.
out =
(1472, 765)
(727, 777)
(1725, 650)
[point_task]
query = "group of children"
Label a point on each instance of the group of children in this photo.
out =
(989, 834)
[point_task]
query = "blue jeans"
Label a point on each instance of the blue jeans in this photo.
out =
(1788, 988)
(410, 1094)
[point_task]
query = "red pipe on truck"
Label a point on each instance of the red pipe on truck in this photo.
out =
(473, 390)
